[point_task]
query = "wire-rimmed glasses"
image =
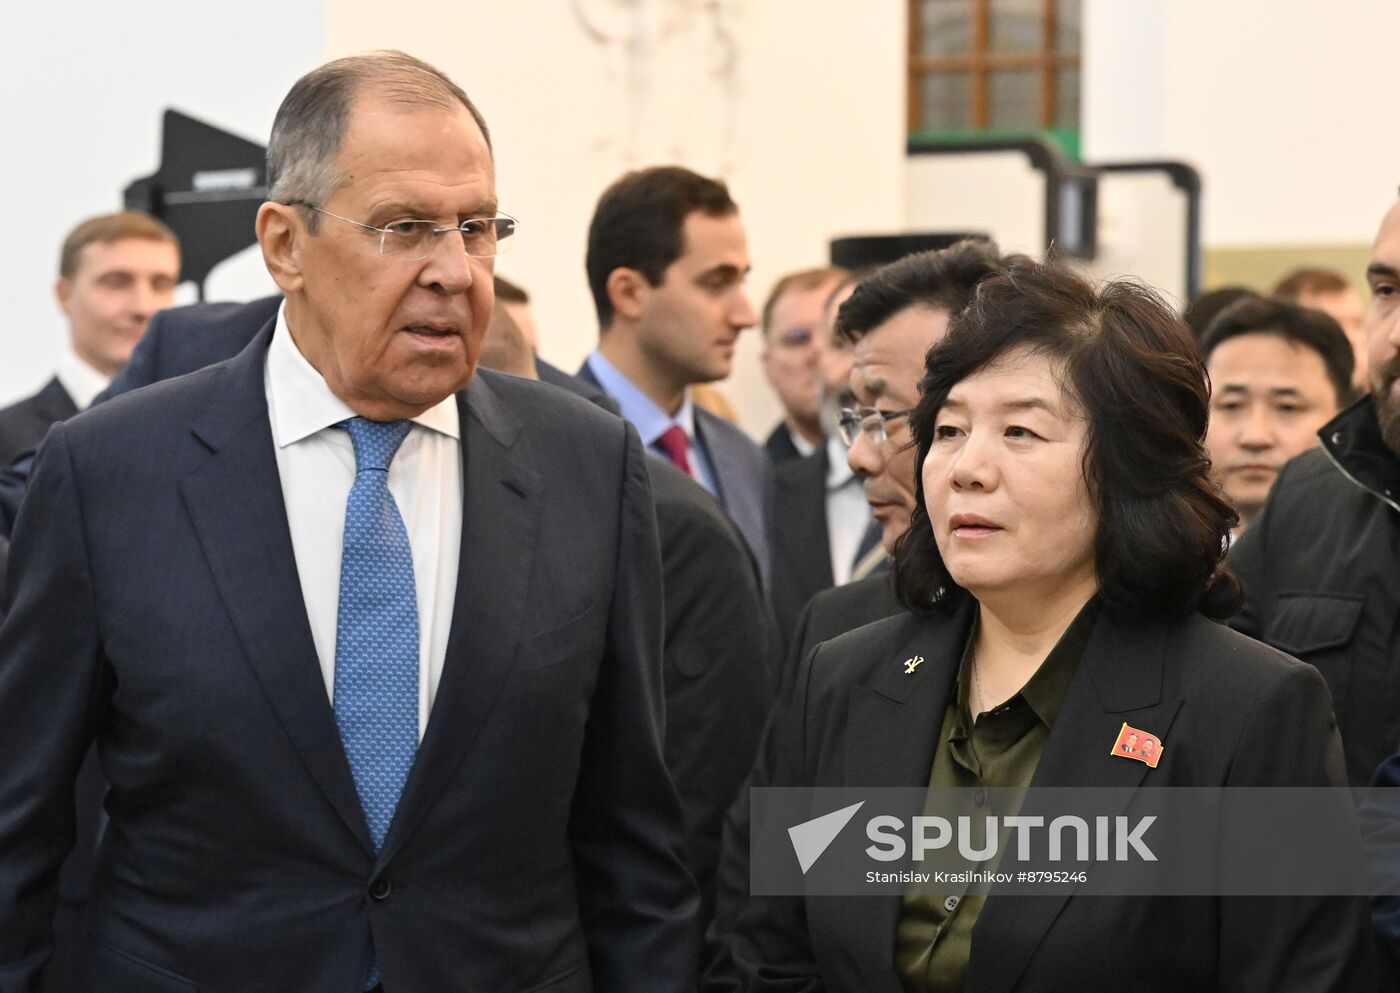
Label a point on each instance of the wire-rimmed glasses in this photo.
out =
(413, 240)
(874, 424)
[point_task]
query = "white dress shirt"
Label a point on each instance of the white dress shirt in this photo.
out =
(316, 463)
(79, 380)
(847, 512)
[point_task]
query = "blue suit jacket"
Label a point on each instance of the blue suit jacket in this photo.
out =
(744, 475)
(158, 612)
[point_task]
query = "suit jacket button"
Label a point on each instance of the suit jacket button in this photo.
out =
(380, 889)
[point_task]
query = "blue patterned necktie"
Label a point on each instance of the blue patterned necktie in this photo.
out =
(376, 635)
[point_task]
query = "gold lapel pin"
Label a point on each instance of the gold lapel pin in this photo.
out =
(911, 664)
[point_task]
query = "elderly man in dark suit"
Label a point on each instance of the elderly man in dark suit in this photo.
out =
(667, 259)
(369, 638)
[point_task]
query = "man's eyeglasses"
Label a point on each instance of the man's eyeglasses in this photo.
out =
(413, 240)
(874, 424)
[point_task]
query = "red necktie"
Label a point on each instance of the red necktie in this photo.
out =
(676, 445)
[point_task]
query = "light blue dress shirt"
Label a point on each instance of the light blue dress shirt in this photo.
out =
(651, 421)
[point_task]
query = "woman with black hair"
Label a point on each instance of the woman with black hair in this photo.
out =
(1063, 573)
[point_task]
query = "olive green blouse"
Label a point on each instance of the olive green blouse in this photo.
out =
(1001, 748)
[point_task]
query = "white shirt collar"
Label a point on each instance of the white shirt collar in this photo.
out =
(803, 446)
(81, 381)
(838, 470)
(301, 404)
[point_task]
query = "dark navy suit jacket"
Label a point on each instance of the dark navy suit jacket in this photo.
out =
(537, 845)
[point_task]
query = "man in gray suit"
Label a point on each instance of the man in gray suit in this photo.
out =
(667, 260)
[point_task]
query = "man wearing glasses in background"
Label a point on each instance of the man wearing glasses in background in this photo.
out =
(369, 640)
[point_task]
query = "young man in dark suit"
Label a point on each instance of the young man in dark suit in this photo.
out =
(416, 745)
(667, 260)
(114, 272)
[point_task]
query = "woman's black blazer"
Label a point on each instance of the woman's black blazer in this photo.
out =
(1231, 711)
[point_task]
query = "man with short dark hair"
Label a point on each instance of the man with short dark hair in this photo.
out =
(1208, 305)
(114, 272)
(891, 319)
(368, 637)
(1332, 293)
(1318, 562)
(667, 260)
(1278, 372)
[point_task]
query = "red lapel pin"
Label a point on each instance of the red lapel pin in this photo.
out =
(1142, 746)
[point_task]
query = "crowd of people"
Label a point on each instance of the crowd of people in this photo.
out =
(347, 644)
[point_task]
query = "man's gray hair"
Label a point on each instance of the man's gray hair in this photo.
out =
(310, 125)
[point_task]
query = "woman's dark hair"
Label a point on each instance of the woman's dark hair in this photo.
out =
(1134, 370)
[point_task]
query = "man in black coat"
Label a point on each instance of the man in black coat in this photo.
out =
(1318, 564)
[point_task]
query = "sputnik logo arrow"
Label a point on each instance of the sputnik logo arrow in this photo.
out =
(811, 838)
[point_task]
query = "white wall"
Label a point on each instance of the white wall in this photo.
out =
(1281, 105)
(82, 90)
(818, 140)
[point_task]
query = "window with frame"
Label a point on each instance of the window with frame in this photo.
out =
(994, 68)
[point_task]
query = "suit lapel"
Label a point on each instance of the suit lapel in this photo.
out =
(728, 468)
(1120, 678)
(235, 502)
(585, 373)
(805, 505)
(498, 542)
(893, 726)
(53, 402)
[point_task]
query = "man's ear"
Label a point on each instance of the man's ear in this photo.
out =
(63, 292)
(628, 290)
(281, 233)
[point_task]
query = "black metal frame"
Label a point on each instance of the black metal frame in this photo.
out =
(1044, 157)
(1187, 179)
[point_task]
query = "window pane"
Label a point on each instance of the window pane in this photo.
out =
(1014, 98)
(1067, 98)
(1067, 34)
(947, 27)
(1016, 26)
(947, 101)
